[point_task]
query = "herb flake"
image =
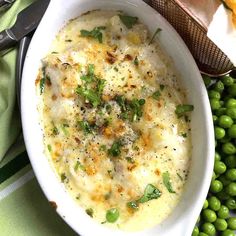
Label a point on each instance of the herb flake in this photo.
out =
(136, 61)
(150, 192)
(115, 150)
(128, 21)
(181, 110)
(156, 95)
(95, 33)
(166, 181)
(78, 165)
(158, 30)
(90, 212)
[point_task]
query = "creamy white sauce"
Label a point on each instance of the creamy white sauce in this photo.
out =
(155, 143)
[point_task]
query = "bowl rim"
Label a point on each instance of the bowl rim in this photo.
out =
(45, 185)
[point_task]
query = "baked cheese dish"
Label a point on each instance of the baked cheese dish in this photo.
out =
(116, 120)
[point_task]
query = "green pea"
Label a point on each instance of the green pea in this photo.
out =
(207, 80)
(216, 186)
(217, 156)
(228, 148)
(214, 94)
(231, 203)
(209, 215)
(205, 205)
(227, 80)
(222, 195)
(221, 111)
(220, 224)
(219, 86)
(231, 174)
(228, 232)
(214, 203)
(225, 181)
(219, 167)
(231, 112)
(223, 212)
(215, 104)
(202, 234)
(232, 223)
(209, 229)
(230, 161)
(195, 231)
(231, 103)
(231, 189)
(219, 132)
(112, 215)
(226, 139)
(225, 121)
(232, 131)
(232, 90)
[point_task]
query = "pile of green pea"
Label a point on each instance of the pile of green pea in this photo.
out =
(217, 215)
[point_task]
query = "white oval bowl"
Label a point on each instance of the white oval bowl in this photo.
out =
(183, 218)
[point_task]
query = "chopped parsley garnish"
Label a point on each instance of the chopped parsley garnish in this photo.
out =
(42, 81)
(112, 215)
(68, 40)
(128, 21)
(115, 149)
(91, 69)
(184, 135)
(63, 177)
(136, 61)
(49, 148)
(166, 181)
(64, 129)
(130, 160)
(90, 212)
(180, 177)
(55, 130)
(95, 33)
(103, 148)
(133, 205)
(131, 110)
(162, 87)
(121, 102)
(182, 109)
(100, 86)
(78, 165)
(150, 193)
(93, 87)
(158, 30)
(90, 95)
(108, 108)
(85, 126)
(89, 77)
(156, 95)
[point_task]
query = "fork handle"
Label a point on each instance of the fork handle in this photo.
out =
(7, 40)
(5, 3)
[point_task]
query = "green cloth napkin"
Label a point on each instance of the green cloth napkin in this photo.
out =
(9, 116)
(24, 210)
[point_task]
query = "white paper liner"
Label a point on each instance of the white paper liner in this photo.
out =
(223, 33)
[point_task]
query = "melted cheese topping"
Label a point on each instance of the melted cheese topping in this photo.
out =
(104, 152)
